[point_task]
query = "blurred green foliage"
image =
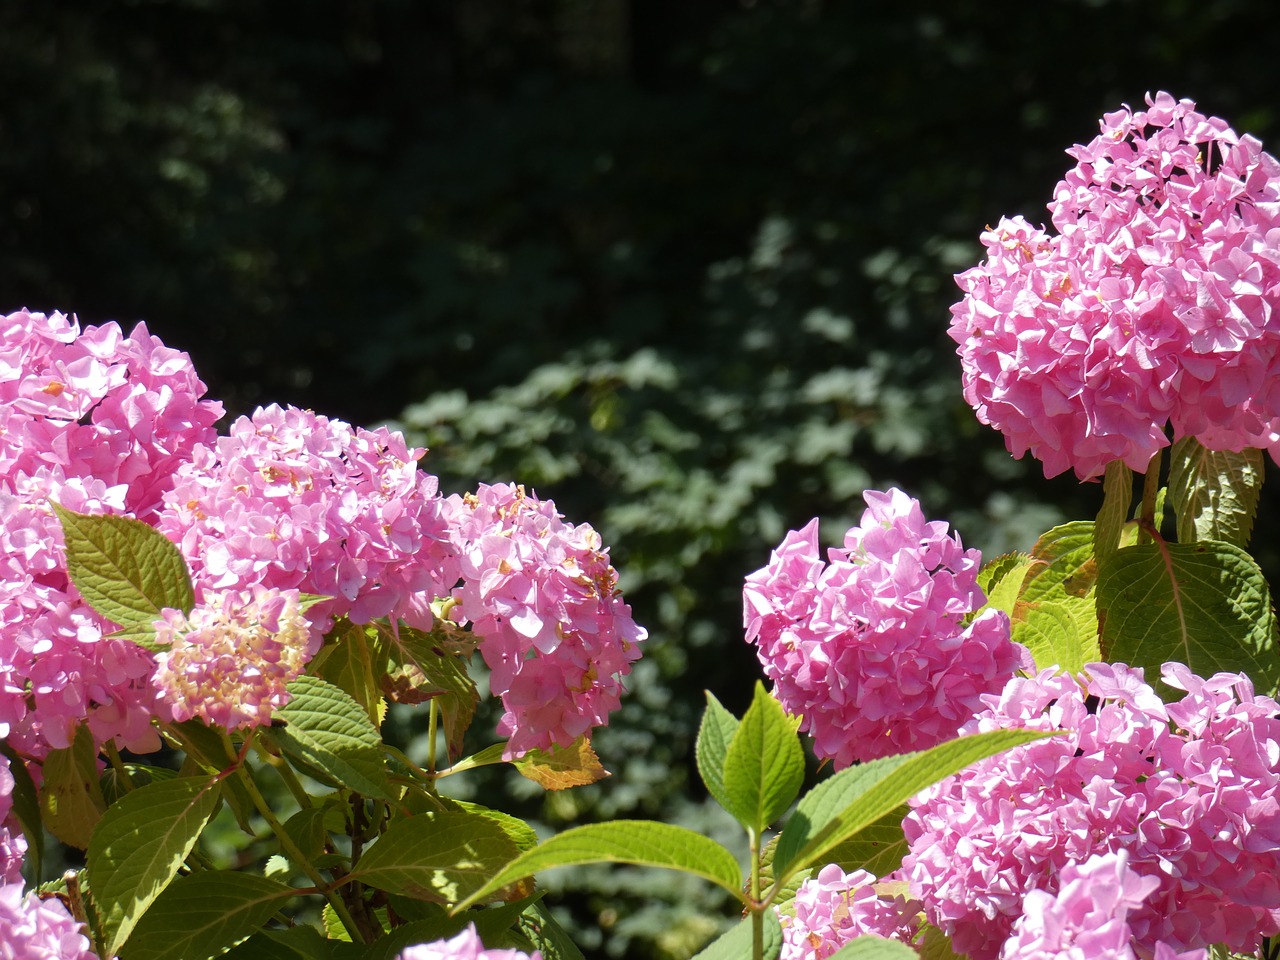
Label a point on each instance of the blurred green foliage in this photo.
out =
(682, 267)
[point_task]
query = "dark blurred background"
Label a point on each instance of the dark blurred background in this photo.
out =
(681, 265)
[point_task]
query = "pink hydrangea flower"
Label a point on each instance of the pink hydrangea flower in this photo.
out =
(1190, 791)
(292, 500)
(31, 927)
(13, 845)
(465, 946)
(835, 907)
(1153, 304)
(98, 422)
(543, 598)
(97, 404)
(871, 647)
(56, 667)
(1086, 919)
(228, 661)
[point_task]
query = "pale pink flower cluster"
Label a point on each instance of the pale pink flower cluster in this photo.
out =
(543, 598)
(1153, 304)
(97, 422)
(229, 660)
(1190, 791)
(31, 927)
(1087, 918)
(871, 647)
(835, 907)
(293, 500)
(465, 946)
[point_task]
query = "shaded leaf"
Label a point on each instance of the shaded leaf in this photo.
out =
(1205, 604)
(441, 857)
(71, 800)
(200, 915)
(1117, 486)
(139, 845)
(1214, 493)
(332, 735)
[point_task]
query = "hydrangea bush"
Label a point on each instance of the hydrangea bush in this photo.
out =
(1072, 752)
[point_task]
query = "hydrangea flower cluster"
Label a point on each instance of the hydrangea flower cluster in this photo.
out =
(835, 907)
(228, 661)
(1153, 303)
(31, 927)
(98, 422)
(1190, 791)
(871, 648)
(543, 598)
(1087, 919)
(465, 946)
(293, 500)
(94, 403)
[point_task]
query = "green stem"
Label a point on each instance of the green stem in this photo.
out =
(432, 714)
(298, 857)
(281, 766)
(1150, 491)
(757, 909)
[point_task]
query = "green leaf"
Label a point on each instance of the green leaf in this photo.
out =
(1117, 485)
(933, 944)
(115, 783)
(877, 848)
(481, 758)
(26, 807)
(1214, 493)
(1205, 604)
(295, 943)
(207, 752)
(641, 842)
(125, 569)
(200, 915)
(353, 663)
(1001, 580)
(1062, 632)
(139, 845)
(764, 766)
(491, 924)
(547, 935)
(425, 666)
(874, 948)
(840, 806)
(521, 834)
(71, 800)
(441, 857)
(714, 736)
(306, 829)
(1063, 563)
(737, 942)
(330, 733)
